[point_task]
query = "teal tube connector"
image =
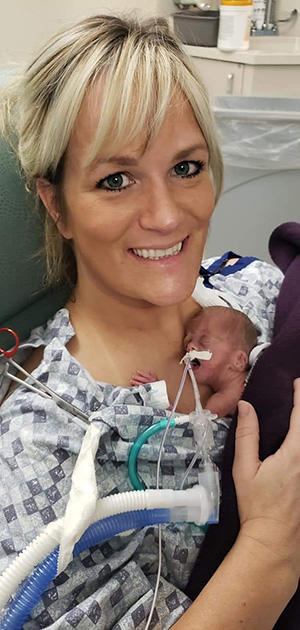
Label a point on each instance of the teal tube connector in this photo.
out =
(134, 477)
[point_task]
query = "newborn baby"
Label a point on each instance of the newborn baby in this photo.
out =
(230, 336)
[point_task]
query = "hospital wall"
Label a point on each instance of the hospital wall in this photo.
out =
(25, 24)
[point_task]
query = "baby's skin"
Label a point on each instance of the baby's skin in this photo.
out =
(230, 336)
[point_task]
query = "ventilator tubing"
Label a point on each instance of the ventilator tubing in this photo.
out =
(184, 505)
(31, 591)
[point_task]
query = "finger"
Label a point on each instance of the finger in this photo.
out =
(246, 461)
(153, 377)
(293, 435)
(134, 381)
(297, 393)
(139, 380)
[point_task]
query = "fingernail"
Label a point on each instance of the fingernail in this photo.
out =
(243, 408)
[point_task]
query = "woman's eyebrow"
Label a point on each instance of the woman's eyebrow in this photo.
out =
(128, 160)
(186, 152)
(123, 160)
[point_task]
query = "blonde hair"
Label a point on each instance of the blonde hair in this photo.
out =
(143, 66)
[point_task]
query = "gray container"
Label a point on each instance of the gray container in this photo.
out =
(197, 29)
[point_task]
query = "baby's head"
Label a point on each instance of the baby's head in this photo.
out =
(228, 334)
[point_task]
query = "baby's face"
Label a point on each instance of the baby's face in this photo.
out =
(206, 333)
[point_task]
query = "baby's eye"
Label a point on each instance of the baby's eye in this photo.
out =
(115, 182)
(188, 168)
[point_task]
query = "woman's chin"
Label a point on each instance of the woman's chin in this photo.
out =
(171, 290)
(170, 296)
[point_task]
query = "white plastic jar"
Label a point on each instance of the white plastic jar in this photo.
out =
(235, 24)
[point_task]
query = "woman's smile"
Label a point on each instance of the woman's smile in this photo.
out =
(163, 255)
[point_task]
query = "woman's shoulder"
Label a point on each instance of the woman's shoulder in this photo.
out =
(30, 364)
(58, 327)
(57, 331)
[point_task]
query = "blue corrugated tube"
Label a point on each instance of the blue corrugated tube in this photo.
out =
(29, 594)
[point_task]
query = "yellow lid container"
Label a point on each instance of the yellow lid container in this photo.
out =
(236, 3)
(235, 24)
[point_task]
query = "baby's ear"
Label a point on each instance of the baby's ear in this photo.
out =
(240, 360)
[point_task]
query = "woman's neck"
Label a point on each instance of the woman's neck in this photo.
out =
(126, 316)
(114, 339)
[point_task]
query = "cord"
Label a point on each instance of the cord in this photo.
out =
(189, 468)
(183, 378)
(199, 407)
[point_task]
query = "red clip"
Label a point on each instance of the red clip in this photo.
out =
(10, 353)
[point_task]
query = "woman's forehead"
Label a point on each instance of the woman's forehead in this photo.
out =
(179, 117)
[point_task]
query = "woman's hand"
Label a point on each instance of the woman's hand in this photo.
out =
(268, 492)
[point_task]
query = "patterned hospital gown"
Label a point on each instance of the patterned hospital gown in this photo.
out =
(111, 584)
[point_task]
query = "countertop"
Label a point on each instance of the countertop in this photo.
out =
(264, 50)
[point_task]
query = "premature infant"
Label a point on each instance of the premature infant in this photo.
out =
(230, 336)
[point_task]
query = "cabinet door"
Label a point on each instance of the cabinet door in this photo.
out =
(220, 77)
(272, 81)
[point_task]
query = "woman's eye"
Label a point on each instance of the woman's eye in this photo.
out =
(115, 182)
(189, 168)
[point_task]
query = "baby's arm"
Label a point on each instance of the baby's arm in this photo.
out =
(141, 378)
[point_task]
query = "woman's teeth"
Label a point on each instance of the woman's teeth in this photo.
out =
(155, 254)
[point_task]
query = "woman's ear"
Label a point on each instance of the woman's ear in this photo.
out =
(48, 194)
(240, 360)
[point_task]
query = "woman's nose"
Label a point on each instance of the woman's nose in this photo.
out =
(161, 211)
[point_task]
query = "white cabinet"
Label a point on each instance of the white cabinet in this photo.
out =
(271, 81)
(267, 72)
(220, 77)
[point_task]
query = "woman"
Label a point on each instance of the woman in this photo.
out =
(115, 133)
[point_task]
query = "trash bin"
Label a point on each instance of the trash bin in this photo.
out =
(260, 140)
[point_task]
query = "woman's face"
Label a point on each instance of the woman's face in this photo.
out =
(139, 220)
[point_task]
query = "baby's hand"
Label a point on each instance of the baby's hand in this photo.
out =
(140, 378)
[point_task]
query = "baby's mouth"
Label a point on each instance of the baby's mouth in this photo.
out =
(195, 363)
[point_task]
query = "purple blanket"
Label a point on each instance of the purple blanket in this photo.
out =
(270, 390)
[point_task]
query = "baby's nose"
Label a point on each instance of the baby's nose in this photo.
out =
(191, 346)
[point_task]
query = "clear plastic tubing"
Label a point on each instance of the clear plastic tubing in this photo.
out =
(32, 589)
